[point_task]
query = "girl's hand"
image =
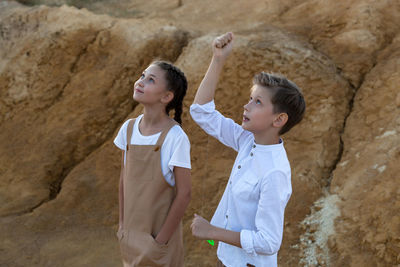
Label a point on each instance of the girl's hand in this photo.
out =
(161, 242)
(201, 228)
(222, 45)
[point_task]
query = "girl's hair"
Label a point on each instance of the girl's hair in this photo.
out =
(176, 83)
(286, 97)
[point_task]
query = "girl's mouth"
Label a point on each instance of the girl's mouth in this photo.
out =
(139, 91)
(245, 119)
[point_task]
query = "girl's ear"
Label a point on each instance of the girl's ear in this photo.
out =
(168, 96)
(280, 120)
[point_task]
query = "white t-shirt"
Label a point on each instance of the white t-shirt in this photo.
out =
(175, 150)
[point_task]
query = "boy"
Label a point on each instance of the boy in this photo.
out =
(249, 219)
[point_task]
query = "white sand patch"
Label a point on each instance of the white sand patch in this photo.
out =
(386, 134)
(344, 163)
(319, 225)
(382, 169)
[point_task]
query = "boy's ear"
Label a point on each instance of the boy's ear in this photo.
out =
(168, 96)
(280, 120)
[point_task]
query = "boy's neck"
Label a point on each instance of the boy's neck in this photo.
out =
(266, 139)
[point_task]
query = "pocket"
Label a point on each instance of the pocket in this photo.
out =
(156, 244)
(154, 251)
(246, 188)
(141, 167)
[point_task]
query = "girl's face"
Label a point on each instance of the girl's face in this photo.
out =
(258, 115)
(151, 87)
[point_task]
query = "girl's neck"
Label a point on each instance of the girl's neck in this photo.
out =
(153, 121)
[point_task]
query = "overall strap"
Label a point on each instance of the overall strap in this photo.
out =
(129, 132)
(164, 133)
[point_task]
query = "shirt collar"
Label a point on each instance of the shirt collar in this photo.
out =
(267, 148)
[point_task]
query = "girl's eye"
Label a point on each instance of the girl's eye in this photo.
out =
(142, 76)
(151, 80)
(258, 101)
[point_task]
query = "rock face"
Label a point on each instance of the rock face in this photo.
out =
(52, 72)
(366, 177)
(65, 89)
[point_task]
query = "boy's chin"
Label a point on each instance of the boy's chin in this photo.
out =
(247, 127)
(244, 126)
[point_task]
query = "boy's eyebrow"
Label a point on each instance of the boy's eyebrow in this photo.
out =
(259, 96)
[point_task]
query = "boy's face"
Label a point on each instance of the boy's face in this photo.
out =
(151, 86)
(258, 115)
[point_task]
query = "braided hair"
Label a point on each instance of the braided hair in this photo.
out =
(176, 83)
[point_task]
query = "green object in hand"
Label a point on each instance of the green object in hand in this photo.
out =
(211, 242)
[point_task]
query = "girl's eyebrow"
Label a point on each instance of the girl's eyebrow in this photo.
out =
(152, 75)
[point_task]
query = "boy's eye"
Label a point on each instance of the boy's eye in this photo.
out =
(151, 80)
(142, 76)
(258, 101)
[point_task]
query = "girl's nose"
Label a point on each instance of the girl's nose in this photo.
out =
(140, 83)
(246, 107)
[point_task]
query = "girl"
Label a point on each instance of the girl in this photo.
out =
(155, 183)
(248, 221)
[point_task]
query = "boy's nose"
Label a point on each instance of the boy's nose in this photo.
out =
(246, 107)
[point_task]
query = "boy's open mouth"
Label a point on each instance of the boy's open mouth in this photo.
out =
(245, 118)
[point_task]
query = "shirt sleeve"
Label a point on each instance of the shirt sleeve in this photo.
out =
(274, 195)
(180, 153)
(120, 139)
(215, 124)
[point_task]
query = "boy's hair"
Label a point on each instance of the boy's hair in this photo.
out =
(286, 97)
(177, 83)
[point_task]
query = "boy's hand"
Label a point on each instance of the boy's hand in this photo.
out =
(222, 45)
(201, 228)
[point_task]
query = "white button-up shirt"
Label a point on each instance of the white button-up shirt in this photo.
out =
(256, 195)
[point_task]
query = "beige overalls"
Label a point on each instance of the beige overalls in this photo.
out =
(147, 200)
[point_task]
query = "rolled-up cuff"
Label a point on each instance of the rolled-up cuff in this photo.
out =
(246, 241)
(207, 107)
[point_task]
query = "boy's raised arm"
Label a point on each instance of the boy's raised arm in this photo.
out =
(222, 47)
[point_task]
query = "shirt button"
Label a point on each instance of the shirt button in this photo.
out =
(254, 146)
(239, 167)
(251, 154)
(226, 216)
(230, 182)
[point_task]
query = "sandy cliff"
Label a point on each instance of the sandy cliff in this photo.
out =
(66, 79)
